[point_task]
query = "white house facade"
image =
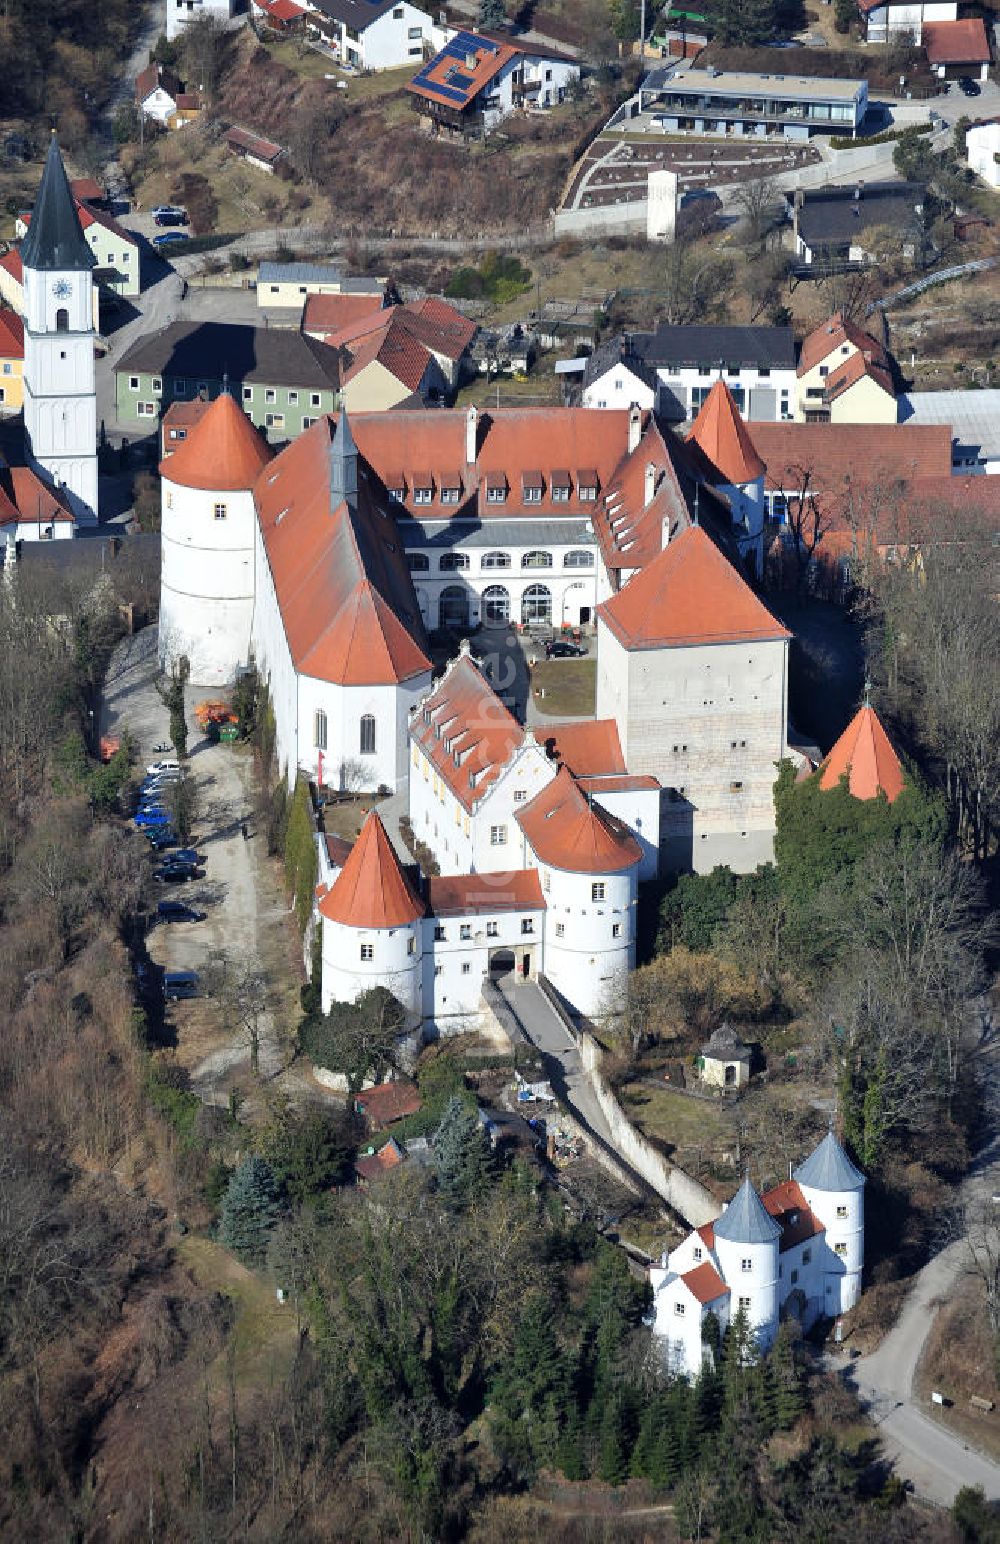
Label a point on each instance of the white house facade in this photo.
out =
(795, 1251)
(180, 12)
(375, 34)
(674, 369)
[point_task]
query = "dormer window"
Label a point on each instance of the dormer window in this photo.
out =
(423, 488)
(531, 487)
(586, 485)
(559, 487)
(496, 488)
(451, 487)
(396, 485)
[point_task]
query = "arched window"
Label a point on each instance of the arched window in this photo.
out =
(537, 560)
(367, 738)
(496, 559)
(319, 729)
(417, 562)
(454, 607)
(62, 320)
(451, 562)
(496, 605)
(536, 604)
(578, 559)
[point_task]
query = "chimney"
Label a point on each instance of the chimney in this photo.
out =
(634, 428)
(470, 60)
(471, 434)
(650, 486)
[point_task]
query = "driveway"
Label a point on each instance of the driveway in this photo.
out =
(246, 914)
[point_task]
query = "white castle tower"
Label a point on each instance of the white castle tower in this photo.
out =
(835, 1191)
(746, 1246)
(720, 432)
(372, 926)
(208, 531)
(60, 391)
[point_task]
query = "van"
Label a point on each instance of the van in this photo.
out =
(180, 983)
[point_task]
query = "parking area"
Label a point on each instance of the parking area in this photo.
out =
(246, 919)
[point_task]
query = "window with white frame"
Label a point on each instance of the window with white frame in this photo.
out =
(440, 933)
(314, 400)
(158, 385)
(841, 1211)
(248, 393)
(366, 735)
(840, 1249)
(133, 383)
(411, 945)
(746, 1265)
(679, 1310)
(498, 836)
(147, 409)
(293, 399)
(319, 729)
(219, 511)
(367, 951)
(578, 559)
(270, 395)
(697, 1252)
(560, 929)
(616, 930)
(527, 925)
(744, 1302)
(465, 931)
(597, 891)
(466, 968)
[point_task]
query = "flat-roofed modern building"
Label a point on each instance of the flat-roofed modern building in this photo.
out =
(742, 105)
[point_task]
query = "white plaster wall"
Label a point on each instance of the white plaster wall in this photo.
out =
(456, 966)
(677, 1322)
(346, 975)
(386, 43)
(612, 687)
(526, 774)
(60, 400)
(682, 381)
(983, 145)
(344, 707)
(639, 809)
(207, 580)
(29, 530)
(572, 589)
(618, 387)
(842, 1273)
(586, 962)
(759, 1283)
(438, 818)
(274, 661)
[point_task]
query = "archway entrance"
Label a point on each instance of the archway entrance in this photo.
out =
(501, 963)
(454, 607)
(496, 606)
(536, 604)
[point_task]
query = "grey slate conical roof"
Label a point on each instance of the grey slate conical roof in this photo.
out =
(829, 1168)
(54, 239)
(745, 1220)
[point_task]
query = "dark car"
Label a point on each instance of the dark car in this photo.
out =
(180, 983)
(560, 649)
(152, 817)
(170, 238)
(170, 217)
(969, 87)
(185, 855)
(176, 911)
(175, 873)
(160, 837)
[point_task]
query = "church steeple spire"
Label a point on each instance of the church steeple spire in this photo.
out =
(55, 240)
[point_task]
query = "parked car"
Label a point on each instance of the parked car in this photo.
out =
(170, 765)
(160, 837)
(180, 983)
(170, 238)
(170, 217)
(162, 209)
(176, 911)
(969, 87)
(175, 873)
(186, 855)
(559, 648)
(152, 818)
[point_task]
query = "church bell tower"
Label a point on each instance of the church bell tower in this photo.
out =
(60, 392)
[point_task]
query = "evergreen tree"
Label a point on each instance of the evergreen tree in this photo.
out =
(786, 1373)
(707, 1405)
(614, 1441)
(740, 1355)
(741, 23)
(250, 1210)
(461, 1155)
(492, 15)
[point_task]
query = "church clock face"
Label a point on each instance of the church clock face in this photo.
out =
(62, 288)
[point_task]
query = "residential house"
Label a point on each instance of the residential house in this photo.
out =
(374, 34)
(957, 48)
(327, 314)
(180, 12)
(740, 104)
(375, 1164)
(836, 224)
(284, 16)
(31, 510)
(797, 1251)
(844, 376)
(982, 145)
(884, 19)
(261, 153)
(11, 362)
(284, 285)
(974, 420)
(476, 81)
(116, 250)
(284, 380)
(385, 1103)
(160, 96)
(672, 370)
(403, 354)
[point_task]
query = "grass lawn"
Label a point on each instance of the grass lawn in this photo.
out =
(569, 685)
(310, 64)
(681, 1123)
(345, 818)
(538, 389)
(265, 1330)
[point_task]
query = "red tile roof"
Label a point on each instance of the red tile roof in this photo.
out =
(253, 144)
(387, 1102)
(178, 421)
(222, 451)
(589, 747)
(705, 1283)
(87, 189)
(463, 895)
(475, 728)
(956, 42)
(371, 890)
(337, 849)
(719, 431)
(325, 315)
(11, 335)
(456, 83)
(689, 594)
(390, 1156)
(629, 784)
(819, 344)
(565, 829)
(707, 1234)
(790, 1210)
(281, 10)
(391, 345)
(11, 261)
(344, 591)
(855, 369)
(442, 328)
(25, 499)
(864, 754)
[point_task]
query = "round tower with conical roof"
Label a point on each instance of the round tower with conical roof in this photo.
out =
(722, 436)
(835, 1191)
(373, 926)
(746, 1246)
(208, 534)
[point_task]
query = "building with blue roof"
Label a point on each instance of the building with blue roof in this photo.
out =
(476, 80)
